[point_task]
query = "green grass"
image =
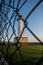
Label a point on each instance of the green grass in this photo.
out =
(31, 54)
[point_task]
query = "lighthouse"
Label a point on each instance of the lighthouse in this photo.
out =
(20, 25)
(23, 39)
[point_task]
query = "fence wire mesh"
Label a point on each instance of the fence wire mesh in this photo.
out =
(10, 11)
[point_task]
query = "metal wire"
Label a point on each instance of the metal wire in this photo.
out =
(11, 5)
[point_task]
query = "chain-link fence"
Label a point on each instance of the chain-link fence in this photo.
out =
(10, 11)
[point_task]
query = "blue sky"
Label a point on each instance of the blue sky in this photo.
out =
(35, 21)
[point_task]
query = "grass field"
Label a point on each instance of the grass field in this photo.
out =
(31, 54)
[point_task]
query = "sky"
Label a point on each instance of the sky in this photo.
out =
(35, 21)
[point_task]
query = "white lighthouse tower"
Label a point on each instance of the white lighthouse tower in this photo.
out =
(23, 39)
(20, 25)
